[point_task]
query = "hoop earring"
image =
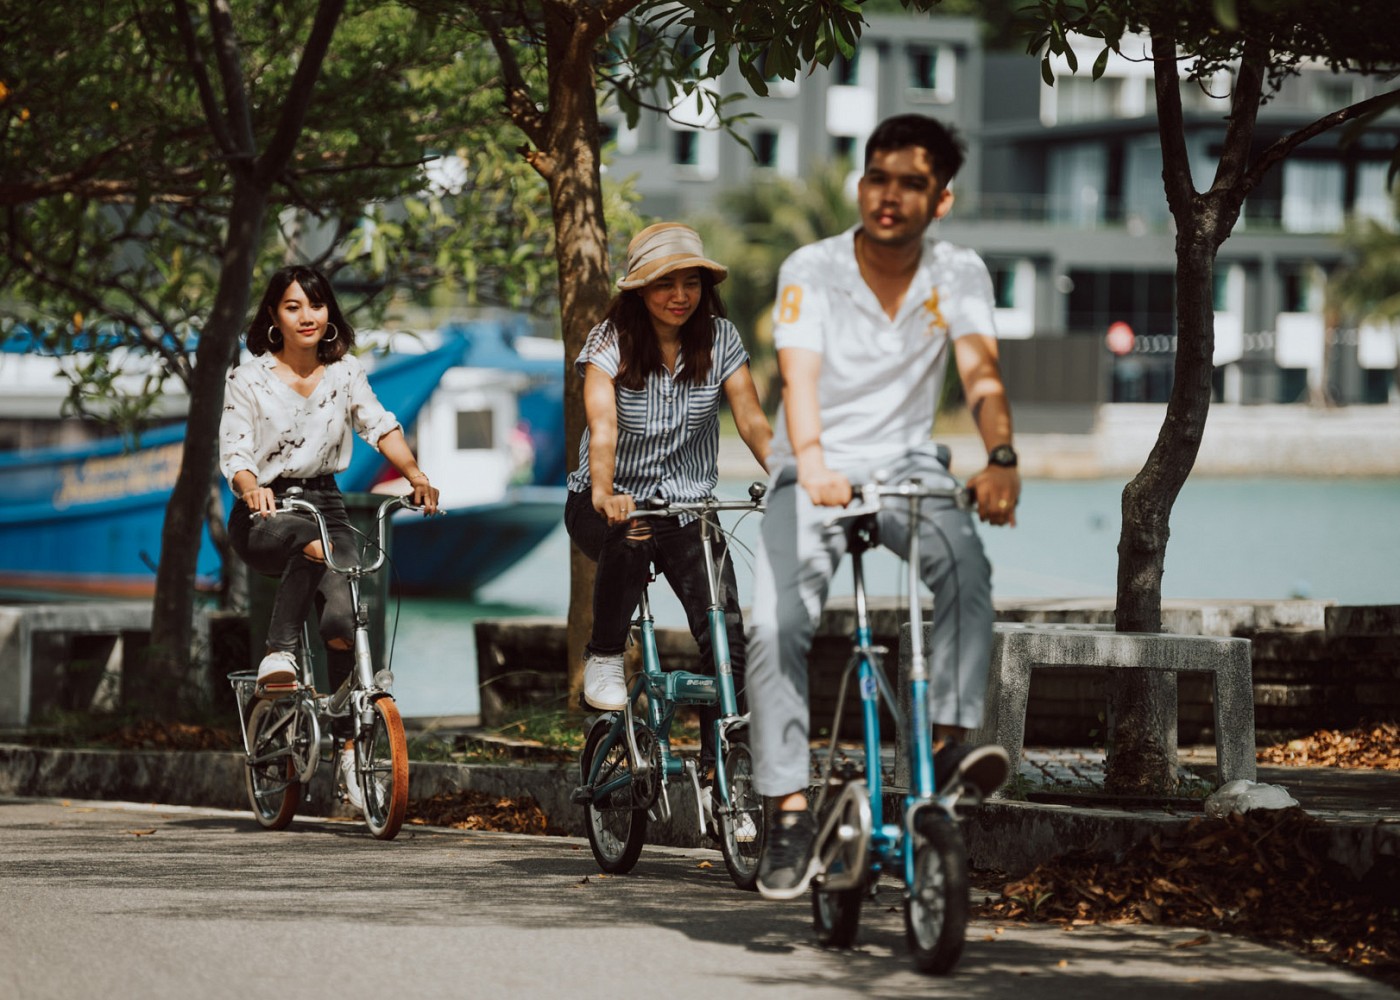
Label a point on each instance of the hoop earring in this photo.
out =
(270, 331)
(331, 338)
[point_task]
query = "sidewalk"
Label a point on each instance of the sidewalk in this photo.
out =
(1358, 810)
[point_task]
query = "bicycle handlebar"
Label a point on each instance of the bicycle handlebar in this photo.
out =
(292, 502)
(871, 495)
(659, 507)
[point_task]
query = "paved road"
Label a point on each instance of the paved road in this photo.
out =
(105, 900)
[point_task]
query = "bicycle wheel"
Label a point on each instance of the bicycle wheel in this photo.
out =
(270, 776)
(836, 912)
(936, 906)
(383, 771)
(741, 829)
(616, 827)
(836, 915)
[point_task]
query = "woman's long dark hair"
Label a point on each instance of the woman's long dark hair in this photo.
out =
(636, 337)
(318, 291)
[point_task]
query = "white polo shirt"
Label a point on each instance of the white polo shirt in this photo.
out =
(880, 378)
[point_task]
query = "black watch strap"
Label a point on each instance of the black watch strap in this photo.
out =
(1003, 455)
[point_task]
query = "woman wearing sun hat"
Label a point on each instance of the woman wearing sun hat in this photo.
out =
(653, 372)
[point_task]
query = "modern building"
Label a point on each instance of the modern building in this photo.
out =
(1062, 194)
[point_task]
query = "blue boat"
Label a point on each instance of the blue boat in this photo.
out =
(483, 401)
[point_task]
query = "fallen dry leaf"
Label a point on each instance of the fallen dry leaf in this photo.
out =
(1376, 746)
(141, 833)
(472, 810)
(704, 864)
(1258, 875)
(1193, 942)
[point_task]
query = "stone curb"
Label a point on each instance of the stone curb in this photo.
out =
(1012, 837)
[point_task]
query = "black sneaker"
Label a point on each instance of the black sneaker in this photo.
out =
(983, 767)
(787, 863)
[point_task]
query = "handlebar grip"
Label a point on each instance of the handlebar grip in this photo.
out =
(653, 503)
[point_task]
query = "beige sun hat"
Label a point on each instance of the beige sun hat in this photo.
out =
(662, 248)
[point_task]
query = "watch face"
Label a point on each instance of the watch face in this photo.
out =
(1002, 454)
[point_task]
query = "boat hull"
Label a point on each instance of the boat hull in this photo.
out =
(456, 552)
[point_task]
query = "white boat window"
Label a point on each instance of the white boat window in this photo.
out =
(475, 430)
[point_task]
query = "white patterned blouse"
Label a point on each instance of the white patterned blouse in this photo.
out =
(271, 430)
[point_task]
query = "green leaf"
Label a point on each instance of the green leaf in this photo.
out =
(1227, 13)
(1046, 73)
(1101, 63)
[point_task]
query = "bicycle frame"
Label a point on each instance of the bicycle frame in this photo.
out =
(356, 696)
(872, 839)
(665, 691)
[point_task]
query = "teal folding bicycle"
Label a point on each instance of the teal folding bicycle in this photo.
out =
(628, 763)
(855, 844)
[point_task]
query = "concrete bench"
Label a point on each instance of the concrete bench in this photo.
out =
(1018, 649)
(27, 667)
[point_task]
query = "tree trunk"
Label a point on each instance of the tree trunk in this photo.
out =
(571, 166)
(164, 686)
(1143, 705)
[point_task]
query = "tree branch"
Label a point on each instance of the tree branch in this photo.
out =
(1280, 149)
(195, 58)
(521, 105)
(278, 153)
(1244, 113)
(231, 74)
(1176, 163)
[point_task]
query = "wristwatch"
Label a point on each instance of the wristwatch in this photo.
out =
(1003, 455)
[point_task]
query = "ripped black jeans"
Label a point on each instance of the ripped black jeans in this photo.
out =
(273, 546)
(678, 554)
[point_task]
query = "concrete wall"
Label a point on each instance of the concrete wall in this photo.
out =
(1315, 665)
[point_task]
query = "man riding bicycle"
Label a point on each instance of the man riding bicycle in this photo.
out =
(864, 323)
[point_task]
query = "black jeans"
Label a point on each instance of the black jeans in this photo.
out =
(273, 546)
(623, 567)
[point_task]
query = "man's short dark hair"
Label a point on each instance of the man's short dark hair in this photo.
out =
(943, 145)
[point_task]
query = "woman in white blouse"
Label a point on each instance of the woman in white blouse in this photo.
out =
(289, 419)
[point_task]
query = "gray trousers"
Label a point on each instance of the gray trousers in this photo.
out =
(797, 557)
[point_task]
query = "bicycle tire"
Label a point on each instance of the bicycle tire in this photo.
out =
(272, 784)
(616, 828)
(741, 829)
(384, 776)
(937, 904)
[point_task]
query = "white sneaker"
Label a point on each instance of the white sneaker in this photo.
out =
(278, 667)
(707, 810)
(745, 829)
(604, 686)
(353, 793)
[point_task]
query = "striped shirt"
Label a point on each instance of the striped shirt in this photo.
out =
(668, 430)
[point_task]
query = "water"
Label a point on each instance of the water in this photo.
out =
(1231, 539)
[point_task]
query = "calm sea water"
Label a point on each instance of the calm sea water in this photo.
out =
(1231, 539)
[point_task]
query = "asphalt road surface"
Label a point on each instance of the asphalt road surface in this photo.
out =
(103, 900)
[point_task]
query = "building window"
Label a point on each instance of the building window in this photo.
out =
(777, 86)
(846, 72)
(1079, 99)
(923, 68)
(931, 73)
(775, 149)
(1312, 196)
(843, 147)
(1003, 285)
(615, 133)
(1077, 181)
(695, 153)
(1297, 291)
(1332, 93)
(765, 148)
(1373, 200)
(1144, 300)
